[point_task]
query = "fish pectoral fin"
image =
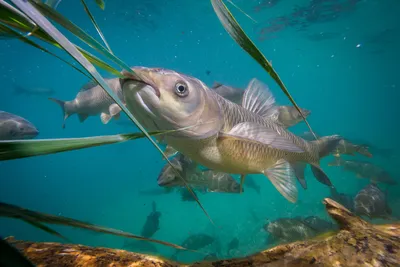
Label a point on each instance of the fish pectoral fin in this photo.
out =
(170, 151)
(242, 178)
(82, 117)
(114, 109)
(105, 118)
(320, 174)
(259, 99)
(254, 132)
(282, 177)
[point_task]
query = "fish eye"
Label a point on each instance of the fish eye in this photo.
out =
(181, 89)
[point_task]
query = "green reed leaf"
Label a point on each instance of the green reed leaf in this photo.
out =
(78, 32)
(236, 32)
(101, 4)
(16, 149)
(14, 18)
(37, 218)
(95, 25)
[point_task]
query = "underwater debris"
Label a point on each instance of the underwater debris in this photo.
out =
(357, 243)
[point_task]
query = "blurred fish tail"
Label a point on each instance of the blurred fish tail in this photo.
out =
(364, 150)
(65, 112)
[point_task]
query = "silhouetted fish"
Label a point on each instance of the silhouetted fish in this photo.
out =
(37, 91)
(152, 222)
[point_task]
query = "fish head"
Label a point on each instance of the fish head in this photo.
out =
(20, 129)
(168, 176)
(297, 116)
(164, 99)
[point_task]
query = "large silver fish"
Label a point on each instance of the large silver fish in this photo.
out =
(208, 180)
(13, 127)
(220, 134)
(92, 100)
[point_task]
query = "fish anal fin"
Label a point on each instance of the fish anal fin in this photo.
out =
(82, 117)
(267, 136)
(105, 118)
(283, 178)
(114, 109)
(259, 99)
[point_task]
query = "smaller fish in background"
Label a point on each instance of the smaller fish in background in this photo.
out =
(232, 246)
(364, 169)
(36, 91)
(152, 224)
(92, 100)
(13, 127)
(11, 256)
(320, 225)
(208, 72)
(289, 116)
(344, 147)
(211, 181)
(372, 202)
(289, 230)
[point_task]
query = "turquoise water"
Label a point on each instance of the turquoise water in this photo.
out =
(348, 80)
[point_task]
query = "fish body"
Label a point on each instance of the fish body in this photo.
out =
(223, 136)
(93, 100)
(318, 224)
(364, 169)
(345, 147)
(289, 230)
(209, 180)
(197, 241)
(13, 127)
(152, 224)
(371, 202)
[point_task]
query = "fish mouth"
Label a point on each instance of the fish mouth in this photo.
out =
(141, 75)
(31, 134)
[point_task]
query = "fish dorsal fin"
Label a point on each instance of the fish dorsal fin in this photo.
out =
(216, 85)
(267, 136)
(259, 99)
(89, 85)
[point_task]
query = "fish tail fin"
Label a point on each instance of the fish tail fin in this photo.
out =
(64, 110)
(298, 168)
(364, 150)
(282, 177)
(327, 144)
(320, 175)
